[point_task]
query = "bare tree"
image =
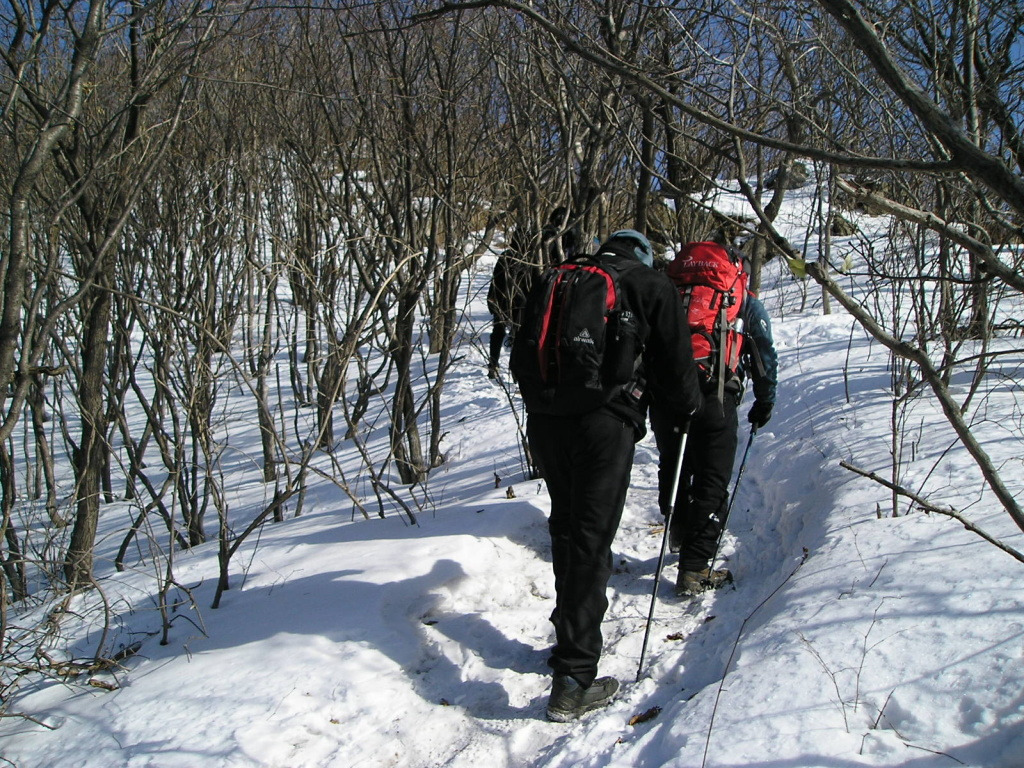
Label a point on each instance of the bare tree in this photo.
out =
(74, 150)
(956, 122)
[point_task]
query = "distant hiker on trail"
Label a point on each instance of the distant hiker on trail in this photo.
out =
(732, 338)
(600, 336)
(561, 248)
(509, 285)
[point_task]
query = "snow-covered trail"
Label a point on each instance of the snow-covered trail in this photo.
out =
(849, 640)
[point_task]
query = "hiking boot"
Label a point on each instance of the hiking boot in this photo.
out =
(691, 583)
(569, 699)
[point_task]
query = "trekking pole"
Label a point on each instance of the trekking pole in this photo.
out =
(664, 546)
(732, 498)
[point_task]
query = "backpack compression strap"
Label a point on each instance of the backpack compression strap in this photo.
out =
(723, 329)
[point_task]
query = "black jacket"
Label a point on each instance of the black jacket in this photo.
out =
(509, 285)
(668, 369)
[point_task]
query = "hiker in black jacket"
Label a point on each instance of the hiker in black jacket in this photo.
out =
(585, 460)
(560, 241)
(510, 283)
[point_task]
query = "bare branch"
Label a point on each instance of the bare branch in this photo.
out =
(929, 507)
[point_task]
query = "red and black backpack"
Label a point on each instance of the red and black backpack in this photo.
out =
(577, 346)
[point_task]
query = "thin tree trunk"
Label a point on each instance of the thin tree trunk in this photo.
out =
(91, 454)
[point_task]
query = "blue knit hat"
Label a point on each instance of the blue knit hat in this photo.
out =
(641, 245)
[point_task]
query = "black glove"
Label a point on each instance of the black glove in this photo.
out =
(760, 413)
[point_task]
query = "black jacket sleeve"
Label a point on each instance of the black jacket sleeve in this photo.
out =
(670, 372)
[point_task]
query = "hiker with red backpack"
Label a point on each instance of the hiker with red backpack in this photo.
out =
(599, 337)
(732, 339)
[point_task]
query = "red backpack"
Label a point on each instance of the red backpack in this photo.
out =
(712, 282)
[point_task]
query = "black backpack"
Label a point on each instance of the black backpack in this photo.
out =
(577, 346)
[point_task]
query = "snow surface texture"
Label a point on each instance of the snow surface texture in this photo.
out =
(848, 640)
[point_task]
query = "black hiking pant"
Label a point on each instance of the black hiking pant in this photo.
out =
(704, 484)
(585, 462)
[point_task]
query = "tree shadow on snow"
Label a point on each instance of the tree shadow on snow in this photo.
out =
(449, 658)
